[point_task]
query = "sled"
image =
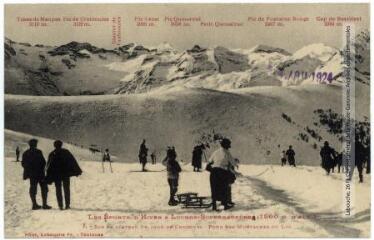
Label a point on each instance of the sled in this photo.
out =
(184, 197)
(197, 202)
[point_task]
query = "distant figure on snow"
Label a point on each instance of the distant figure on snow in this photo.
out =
(338, 161)
(360, 158)
(283, 158)
(327, 155)
(197, 155)
(60, 167)
(143, 153)
(106, 158)
(33, 163)
(153, 157)
(220, 175)
(173, 169)
(291, 156)
(17, 154)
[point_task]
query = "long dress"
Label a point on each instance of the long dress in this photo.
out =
(197, 157)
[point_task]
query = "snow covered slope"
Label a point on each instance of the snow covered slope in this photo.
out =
(261, 121)
(271, 201)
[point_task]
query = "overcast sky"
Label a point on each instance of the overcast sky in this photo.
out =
(291, 37)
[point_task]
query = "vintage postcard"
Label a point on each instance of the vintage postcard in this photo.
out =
(187, 120)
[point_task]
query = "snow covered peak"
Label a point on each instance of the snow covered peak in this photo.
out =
(267, 49)
(165, 47)
(316, 51)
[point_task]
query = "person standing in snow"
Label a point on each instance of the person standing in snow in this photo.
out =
(106, 158)
(60, 167)
(173, 169)
(359, 158)
(197, 155)
(143, 153)
(327, 155)
(17, 154)
(220, 176)
(153, 157)
(283, 158)
(33, 163)
(291, 156)
(339, 161)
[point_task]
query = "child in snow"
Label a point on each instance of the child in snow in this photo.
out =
(283, 158)
(173, 169)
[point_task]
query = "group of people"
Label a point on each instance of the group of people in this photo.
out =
(330, 159)
(61, 165)
(221, 165)
(288, 156)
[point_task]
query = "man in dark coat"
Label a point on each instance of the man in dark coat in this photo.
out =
(359, 158)
(33, 163)
(328, 155)
(197, 155)
(291, 156)
(143, 153)
(60, 167)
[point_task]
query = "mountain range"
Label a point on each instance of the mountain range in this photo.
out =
(83, 69)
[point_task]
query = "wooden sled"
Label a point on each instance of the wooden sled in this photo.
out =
(191, 200)
(184, 197)
(198, 202)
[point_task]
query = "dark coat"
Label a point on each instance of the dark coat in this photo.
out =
(143, 153)
(219, 184)
(328, 155)
(33, 164)
(173, 168)
(291, 156)
(196, 157)
(360, 153)
(61, 164)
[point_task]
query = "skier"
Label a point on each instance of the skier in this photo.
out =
(283, 158)
(173, 169)
(106, 158)
(291, 156)
(220, 176)
(33, 163)
(327, 155)
(143, 153)
(197, 155)
(60, 167)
